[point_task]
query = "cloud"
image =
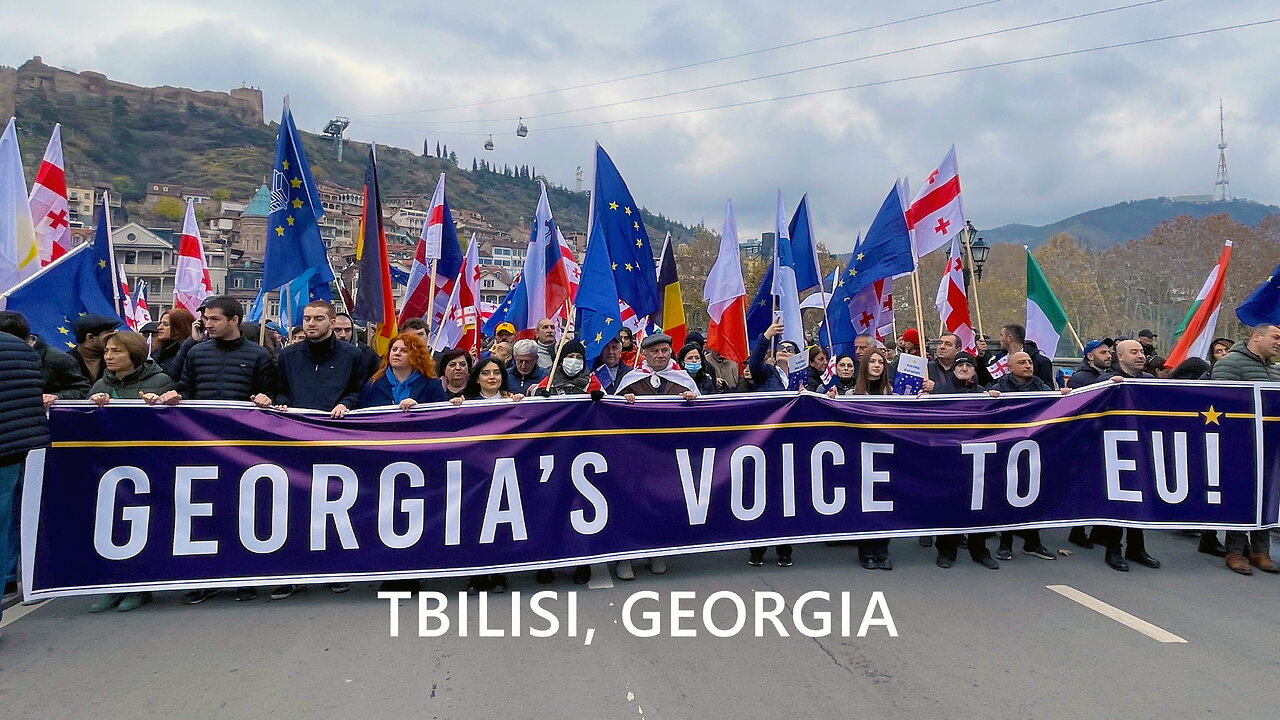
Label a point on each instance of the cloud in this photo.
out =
(1037, 141)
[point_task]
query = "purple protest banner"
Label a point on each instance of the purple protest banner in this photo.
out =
(223, 494)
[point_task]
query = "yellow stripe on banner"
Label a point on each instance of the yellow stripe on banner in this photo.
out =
(633, 431)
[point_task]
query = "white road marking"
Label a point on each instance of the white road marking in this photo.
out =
(17, 612)
(1115, 613)
(601, 578)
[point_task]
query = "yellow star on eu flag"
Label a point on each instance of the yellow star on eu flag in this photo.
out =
(614, 267)
(1211, 416)
(70, 344)
(853, 272)
(284, 164)
(102, 263)
(296, 182)
(608, 321)
(64, 331)
(638, 243)
(289, 219)
(860, 256)
(279, 230)
(628, 267)
(626, 210)
(635, 225)
(599, 337)
(297, 203)
(613, 206)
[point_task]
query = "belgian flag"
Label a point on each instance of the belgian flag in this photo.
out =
(670, 314)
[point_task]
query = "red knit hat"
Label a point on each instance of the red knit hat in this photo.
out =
(911, 335)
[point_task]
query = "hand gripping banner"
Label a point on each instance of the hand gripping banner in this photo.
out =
(223, 494)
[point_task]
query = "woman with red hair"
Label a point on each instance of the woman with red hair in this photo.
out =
(405, 377)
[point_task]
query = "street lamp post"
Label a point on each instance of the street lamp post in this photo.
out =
(975, 251)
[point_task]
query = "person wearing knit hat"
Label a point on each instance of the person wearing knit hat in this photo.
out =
(571, 375)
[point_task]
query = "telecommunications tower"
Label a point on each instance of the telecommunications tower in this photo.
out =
(1223, 185)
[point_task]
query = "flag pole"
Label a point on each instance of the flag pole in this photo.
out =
(448, 306)
(915, 291)
(977, 309)
(431, 309)
(1074, 335)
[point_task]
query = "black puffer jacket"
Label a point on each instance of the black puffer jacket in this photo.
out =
(60, 373)
(320, 375)
(22, 421)
(227, 370)
(166, 356)
(1087, 374)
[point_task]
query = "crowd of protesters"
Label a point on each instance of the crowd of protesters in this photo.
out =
(323, 366)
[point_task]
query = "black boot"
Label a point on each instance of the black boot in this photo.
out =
(1080, 538)
(1209, 544)
(1116, 561)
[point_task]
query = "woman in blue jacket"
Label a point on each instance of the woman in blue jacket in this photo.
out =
(405, 377)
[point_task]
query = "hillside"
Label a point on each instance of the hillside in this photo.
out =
(129, 146)
(1117, 224)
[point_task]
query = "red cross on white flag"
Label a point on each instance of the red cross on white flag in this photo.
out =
(936, 214)
(953, 301)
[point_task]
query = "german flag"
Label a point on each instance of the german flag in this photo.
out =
(670, 314)
(374, 303)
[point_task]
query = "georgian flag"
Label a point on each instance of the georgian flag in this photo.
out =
(48, 202)
(936, 214)
(425, 296)
(141, 313)
(953, 302)
(126, 299)
(191, 284)
(460, 327)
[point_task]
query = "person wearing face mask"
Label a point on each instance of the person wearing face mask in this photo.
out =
(773, 376)
(845, 378)
(690, 358)
(571, 376)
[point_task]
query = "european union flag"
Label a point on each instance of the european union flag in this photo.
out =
(501, 312)
(885, 250)
(837, 331)
(599, 318)
(615, 220)
(76, 284)
(293, 234)
(1263, 304)
(760, 312)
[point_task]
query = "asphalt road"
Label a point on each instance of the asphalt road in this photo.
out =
(972, 643)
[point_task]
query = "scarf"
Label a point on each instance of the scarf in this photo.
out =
(400, 390)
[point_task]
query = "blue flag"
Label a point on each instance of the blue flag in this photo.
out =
(501, 312)
(803, 247)
(1263, 304)
(885, 250)
(293, 245)
(760, 313)
(78, 283)
(615, 221)
(599, 318)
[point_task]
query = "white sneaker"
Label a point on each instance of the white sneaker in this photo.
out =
(624, 571)
(657, 566)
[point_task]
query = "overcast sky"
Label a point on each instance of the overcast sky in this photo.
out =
(1037, 141)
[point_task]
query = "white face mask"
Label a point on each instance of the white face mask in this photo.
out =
(572, 366)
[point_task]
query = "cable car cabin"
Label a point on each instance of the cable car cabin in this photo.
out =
(521, 129)
(488, 144)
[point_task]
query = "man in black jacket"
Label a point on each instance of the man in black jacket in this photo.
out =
(319, 373)
(322, 372)
(941, 369)
(1013, 338)
(1021, 378)
(59, 372)
(1129, 361)
(22, 429)
(1096, 365)
(226, 366)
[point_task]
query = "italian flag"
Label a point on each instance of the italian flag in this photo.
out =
(1045, 318)
(1198, 326)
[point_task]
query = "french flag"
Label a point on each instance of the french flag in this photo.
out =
(436, 263)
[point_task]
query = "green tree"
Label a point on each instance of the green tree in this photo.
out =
(169, 208)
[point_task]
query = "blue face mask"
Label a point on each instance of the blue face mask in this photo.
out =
(693, 367)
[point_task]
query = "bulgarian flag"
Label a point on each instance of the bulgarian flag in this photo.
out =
(1046, 319)
(1196, 332)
